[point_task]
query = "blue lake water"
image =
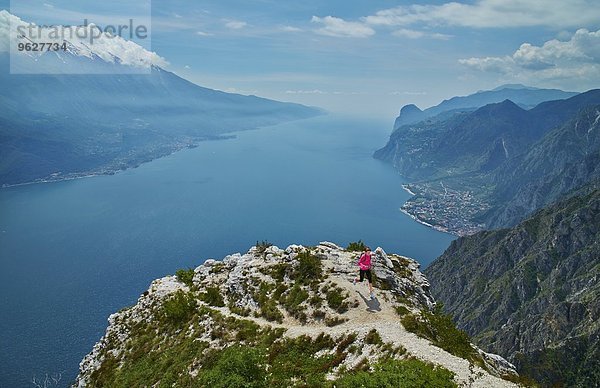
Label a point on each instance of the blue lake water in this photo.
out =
(73, 252)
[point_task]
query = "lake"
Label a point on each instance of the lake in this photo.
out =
(73, 252)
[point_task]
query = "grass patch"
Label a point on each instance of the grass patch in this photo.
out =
(236, 366)
(439, 328)
(161, 355)
(397, 373)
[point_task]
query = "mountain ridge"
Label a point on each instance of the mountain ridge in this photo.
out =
(531, 292)
(468, 170)
(524, 96)
(298, 300)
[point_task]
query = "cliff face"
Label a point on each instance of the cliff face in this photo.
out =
(498, 164)
(565, 159)
(532, 293)
(292, 317)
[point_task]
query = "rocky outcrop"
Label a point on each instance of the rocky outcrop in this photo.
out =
(532, 293)
(284, 317)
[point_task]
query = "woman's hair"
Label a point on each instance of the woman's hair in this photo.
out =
(367, 249)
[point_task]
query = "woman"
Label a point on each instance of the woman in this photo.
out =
(364, 264)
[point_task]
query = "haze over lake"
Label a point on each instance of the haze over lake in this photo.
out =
(73, 252)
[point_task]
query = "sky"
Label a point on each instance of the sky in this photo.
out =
(367, 57)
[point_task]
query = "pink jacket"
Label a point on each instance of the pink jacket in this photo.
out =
(364, 262)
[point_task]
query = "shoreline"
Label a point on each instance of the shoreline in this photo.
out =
(405, 187)
(91, 174)
(434, 227)
(415, 218)
(88, 174)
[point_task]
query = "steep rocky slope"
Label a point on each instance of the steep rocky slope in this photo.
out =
(496, 165)
(292, 317)
(565, 159)
(532, 293)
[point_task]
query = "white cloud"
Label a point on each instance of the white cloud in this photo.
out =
(291, 29)
(398, 93)
(314, 91)
(495, 64)
(241, 91)
(410, 34)
(109, 48)
(202, 33)
(493, 13)
(577, 58)
(415, 34)
(235, 24)
(337, 27)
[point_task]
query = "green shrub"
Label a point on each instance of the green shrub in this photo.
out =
(398, 373)
(373, 337)
(278, 271)
(185, 276)
(316, 301)
(401, 310)
(262, 246)
(345, 342)
(268, 304)
(270, 312)
(179, 307)
(293, 302)
(357, 246)
(213, 297)
(309, 268)
(336, 300)
(318, 314)
(334, 321)
(231, 305)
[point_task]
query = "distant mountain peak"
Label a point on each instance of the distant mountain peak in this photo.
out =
(410, 108)
(515, 87)
(81, 50)
(524, 96)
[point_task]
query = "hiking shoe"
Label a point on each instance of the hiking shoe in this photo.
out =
(373, 296)
(354, 281)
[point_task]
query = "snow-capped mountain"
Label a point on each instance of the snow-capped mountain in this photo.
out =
(81, 49)
(109, 115)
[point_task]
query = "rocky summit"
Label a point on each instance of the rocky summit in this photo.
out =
(290, 317)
